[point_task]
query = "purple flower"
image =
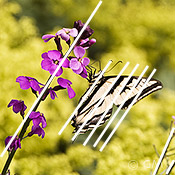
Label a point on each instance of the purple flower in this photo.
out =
(27, 82)
(38, 118)
(52, 94)
(47, 37)
(88, 31)
(18, 106)
(15, 144)
(49, 91)
(66, 84)
(37, 130)
(65, 33)
(51, 60)
(78, 64)
(86, 43)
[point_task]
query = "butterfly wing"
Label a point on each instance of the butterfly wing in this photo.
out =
(98, 91)
(152, 86)
(88, 106)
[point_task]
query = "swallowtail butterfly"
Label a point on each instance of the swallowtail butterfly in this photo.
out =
(100, 88)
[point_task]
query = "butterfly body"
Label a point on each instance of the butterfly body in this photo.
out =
(100, 88)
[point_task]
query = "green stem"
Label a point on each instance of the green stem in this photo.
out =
(24, 128)
(11, 155)
(7, 164)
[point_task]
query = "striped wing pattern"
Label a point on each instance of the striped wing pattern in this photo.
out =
(98, 91)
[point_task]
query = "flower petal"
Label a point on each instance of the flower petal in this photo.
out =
(64, 82)
(46, 64)
(35, 85)
(24, 107)
(17, 107)
(24, 82)
(52, 94)
(66, 63)
(7, 140)
(74, 64)
(79, 71)
(12, 102)
(44, 55)
(84, 73)
(73, 32)
(37, 130)
(65, 36)
(47, 37)
(92, 41)
(34, 115)
(71, 92)
(85, 61)
(83, 41)
(60, 32)
(36, 121)
(43, 121)
(87, 44)
(52, 70)
(60, 71)
(54, 55)
(79, 51)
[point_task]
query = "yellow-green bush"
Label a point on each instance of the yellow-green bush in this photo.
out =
(136, 31)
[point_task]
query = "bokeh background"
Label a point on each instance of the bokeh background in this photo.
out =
(139, 31)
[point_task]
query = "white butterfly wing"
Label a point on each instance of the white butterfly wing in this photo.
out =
(86, 109)
(152, 85)
(89, 105)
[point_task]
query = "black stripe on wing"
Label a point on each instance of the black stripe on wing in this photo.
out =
(91, 123)
(94, 91)
(148, 90)
(152, 86)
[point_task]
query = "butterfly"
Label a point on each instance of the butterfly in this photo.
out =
(98, 91)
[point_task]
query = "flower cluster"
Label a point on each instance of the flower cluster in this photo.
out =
(77, 63)
(37, 118)
(15, 144)
(50, 60)
(18, 106)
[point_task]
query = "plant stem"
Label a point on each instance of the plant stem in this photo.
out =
(11, 155)
(7, 164)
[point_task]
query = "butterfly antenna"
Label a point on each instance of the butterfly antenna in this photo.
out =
(113, 66)
(99, 62)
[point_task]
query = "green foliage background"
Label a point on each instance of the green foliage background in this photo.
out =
(139, 31)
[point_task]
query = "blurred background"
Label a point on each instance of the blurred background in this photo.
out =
(139, 31)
